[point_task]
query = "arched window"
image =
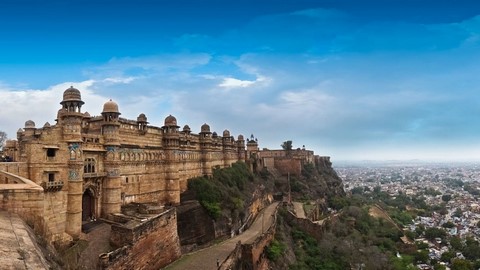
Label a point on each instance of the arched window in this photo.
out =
(89, 165)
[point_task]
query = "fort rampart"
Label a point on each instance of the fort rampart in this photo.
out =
(144, 244)
(23, 197)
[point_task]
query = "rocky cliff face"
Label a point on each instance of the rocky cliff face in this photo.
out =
(197, 228)
(326, 179)
(318, 181)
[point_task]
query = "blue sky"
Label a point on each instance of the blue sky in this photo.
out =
(346, 78)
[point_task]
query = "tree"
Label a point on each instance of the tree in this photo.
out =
(472, 249)
(3, 138)
(448, 225)
(438, 266)
(458, 213)
(421, 256)
(459, 264)
(447, 256)
(446, 197)
(287, 146)
(357, 190)
(433, 232)
(456, 243)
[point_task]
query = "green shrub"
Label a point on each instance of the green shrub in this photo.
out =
(213, 208)
(223, 190)
(275, 250)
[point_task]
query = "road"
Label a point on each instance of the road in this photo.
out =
(206, 259)
(299, 211)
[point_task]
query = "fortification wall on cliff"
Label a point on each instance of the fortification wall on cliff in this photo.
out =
(151, 244)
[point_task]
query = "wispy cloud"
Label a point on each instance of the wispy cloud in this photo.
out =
(340, 85)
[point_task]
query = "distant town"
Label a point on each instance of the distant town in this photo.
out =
(446, 199)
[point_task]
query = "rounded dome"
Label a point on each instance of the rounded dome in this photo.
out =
(110, 107)
(47, 125)
(86, 115)
(214, 134)
(170, 120)
(29, 124)
(226, 133)
(240, 137)
(72, 94)
(142, 118)
(205, 128)
(186, 128)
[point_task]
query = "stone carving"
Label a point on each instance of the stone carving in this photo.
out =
(74, 149)
(72, 175)
(113, 173)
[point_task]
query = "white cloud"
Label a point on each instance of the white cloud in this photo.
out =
(230, 83)
(116, 80)
(308, 98)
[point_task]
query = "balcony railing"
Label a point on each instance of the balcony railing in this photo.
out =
(52, 186)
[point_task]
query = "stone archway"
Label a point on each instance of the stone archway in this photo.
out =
(88, 205)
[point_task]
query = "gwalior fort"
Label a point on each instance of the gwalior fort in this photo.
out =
(82, 168)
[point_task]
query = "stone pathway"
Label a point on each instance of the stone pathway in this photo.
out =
(98, 242)
(206, 259)
(18, 249)
(299, 211)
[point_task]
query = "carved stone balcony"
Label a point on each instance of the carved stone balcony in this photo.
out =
(52, 186)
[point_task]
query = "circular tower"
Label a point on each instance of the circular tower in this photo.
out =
(111, 201)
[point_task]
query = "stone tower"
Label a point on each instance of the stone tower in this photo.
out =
(70, 119)
(240, 148)
(252, 146)
(171, 144)
(206, 147)
(112, 183)
(228, 148)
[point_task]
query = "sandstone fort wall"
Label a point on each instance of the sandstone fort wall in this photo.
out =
(151, 244)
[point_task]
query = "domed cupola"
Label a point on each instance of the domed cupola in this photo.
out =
(142, 122)
(142, 118)
(170, 125)
(72, 100)
(171, 121)
(110, 107)
(110, 111)
(29, 124)
(205, 129)
(227, 138)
